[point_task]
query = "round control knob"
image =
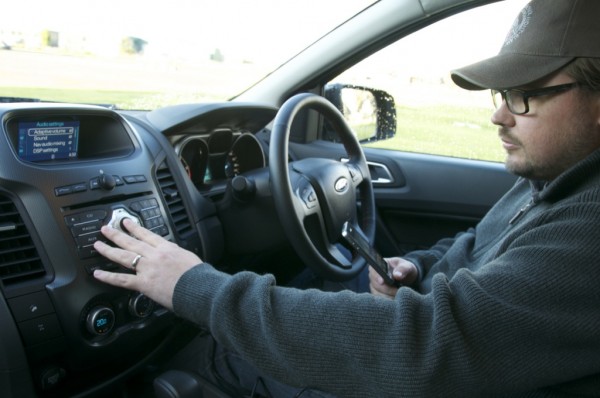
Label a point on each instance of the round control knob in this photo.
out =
(107, 182)
(140, 305)
(100, 320)
(117, 217)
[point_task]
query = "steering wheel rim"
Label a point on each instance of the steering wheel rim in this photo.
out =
(314, 197)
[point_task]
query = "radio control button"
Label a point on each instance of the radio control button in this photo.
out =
(87, 252)
(118, 215)
(60, 191)
(81, 187)
(87, 240)
(86, 228)
(107, 182)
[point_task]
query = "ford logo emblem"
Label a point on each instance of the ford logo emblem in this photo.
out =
(341, 184)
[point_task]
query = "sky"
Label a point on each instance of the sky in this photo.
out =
(192, 22)
(207, 24)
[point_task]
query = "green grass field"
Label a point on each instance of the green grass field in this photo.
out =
(443, 130)
(75, 96)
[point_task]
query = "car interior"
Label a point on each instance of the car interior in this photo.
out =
(263, 182)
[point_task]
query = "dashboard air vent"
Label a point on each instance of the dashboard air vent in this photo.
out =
(173, 200)
(19, 259)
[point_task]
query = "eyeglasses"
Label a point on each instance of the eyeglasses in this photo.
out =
(517, 100)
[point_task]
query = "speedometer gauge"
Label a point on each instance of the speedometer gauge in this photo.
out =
(193, 154)
(246, 154)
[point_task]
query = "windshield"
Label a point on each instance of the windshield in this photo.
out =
(140, 54)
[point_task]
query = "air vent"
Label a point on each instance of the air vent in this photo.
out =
(173, 200)
(19, 259)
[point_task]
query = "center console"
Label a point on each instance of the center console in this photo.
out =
(64, 173)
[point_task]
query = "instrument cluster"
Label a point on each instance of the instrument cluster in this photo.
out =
(210, 160)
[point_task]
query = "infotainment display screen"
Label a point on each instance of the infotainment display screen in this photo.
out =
(48, 140)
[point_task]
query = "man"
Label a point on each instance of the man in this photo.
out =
(510, 308)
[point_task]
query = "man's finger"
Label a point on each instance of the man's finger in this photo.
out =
(124, 240)
(142, 233)
(115, 254)
(127, 281)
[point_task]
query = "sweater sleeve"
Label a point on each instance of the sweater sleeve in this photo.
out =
(425, 259)
(525, 320)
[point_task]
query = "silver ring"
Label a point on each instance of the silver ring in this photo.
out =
(135, 261)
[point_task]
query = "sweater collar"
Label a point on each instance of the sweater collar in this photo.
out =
(585, 172)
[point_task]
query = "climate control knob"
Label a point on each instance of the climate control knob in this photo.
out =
(100, 320)
(140, 305)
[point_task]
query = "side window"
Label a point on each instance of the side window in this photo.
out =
(433, 115)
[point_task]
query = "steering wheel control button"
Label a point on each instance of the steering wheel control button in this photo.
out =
(309, 197)
(354, 173)
(100, 320)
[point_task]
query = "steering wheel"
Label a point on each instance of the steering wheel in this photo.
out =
(314, 197)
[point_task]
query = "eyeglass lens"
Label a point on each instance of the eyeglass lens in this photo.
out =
(514, 100)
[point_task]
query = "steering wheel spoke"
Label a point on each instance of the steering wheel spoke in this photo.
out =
(344, 259)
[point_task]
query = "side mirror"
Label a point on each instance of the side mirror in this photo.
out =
(371, 113)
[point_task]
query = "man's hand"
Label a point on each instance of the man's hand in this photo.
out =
(157, 263)
(403, 271)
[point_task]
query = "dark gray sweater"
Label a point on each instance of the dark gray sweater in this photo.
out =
(510, 308)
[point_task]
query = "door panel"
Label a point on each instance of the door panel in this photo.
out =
(439, 197)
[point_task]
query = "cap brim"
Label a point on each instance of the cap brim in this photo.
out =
(505, 71)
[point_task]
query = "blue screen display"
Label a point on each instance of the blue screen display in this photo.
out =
(48, 140)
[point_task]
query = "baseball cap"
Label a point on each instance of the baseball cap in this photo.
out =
(545, 36)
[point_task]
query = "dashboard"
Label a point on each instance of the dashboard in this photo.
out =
(67, 170)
